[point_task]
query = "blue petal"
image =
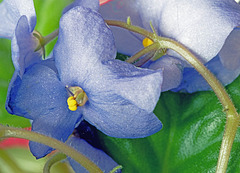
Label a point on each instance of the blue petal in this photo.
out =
(38, 93)
(172, 71)
(23, 47)
(122, 98)
(126, 42)
(193, 81)
(84, 41)
(230, 53)
(93, 4)
(117, 117)
(16, 82)
(58, 123)
(202, 26)
(40, 96)
(101, 159)
(141, 87)
(11, 94)
(11, 11)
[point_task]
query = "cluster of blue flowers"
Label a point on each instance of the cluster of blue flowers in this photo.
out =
(82, 80)
(209, 29)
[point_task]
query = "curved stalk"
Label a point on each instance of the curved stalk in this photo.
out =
(231, 127)
(217, 87)
(54, 143)
(52, 160)
(229, 108)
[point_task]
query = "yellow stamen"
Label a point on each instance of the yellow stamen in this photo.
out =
(72, 108)
(147, 42)
(77, 97)
(72, 103)
(70, 98)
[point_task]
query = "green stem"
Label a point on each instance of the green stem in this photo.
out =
(230, 110)
(152, 47)
(145, 59)
(54, 143)
(228, 138)
(50, 37)
(44, 40)
(133, 28)
(207, 75)
(52, 160)
(9, 161)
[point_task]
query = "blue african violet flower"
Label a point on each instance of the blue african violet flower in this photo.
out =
(101, 159)
(18, 20)
(207, 28)
(84, 81)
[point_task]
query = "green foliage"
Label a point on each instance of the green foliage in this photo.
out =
(190, 140)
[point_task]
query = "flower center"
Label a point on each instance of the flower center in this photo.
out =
(147, 42)
(77, 97)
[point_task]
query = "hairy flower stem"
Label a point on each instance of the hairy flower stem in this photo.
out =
(54, 143)
(231, 127)
(229, 108)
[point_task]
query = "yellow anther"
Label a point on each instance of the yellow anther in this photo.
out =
(72, 103)
(147, 42)
(70, 98)
(72, 108)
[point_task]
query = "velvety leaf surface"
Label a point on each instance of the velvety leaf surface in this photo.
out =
(190, 140)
